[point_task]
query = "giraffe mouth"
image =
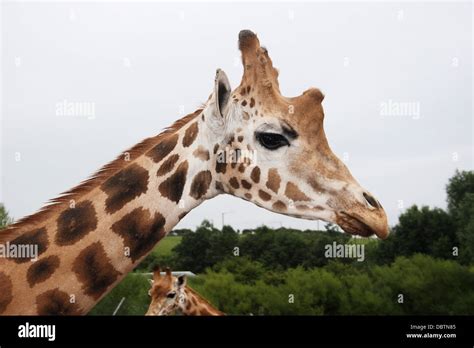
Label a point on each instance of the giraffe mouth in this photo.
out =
(354, 225)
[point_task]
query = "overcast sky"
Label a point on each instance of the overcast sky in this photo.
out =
(141, 65)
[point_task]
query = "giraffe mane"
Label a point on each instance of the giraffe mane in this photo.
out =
(14, 230)
(194, 292)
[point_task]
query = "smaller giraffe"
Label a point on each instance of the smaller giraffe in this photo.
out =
(171, 294)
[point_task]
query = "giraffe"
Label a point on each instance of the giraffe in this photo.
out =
(250, 142)
(169, 294)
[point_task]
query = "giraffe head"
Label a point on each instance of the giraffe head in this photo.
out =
(165, 293)
(272, 150)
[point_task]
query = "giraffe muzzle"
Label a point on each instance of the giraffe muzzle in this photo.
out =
(373, 222)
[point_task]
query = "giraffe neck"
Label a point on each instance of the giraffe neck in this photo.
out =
(89, 243)
(194, 304)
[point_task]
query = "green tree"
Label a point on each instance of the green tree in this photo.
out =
(5, 219)
(464, 217)
(205, 247)
(460, 190)
(245, 270)
(275, 248)
(428, 231)
(459, 186)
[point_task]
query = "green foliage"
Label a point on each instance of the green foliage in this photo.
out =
(459, 186)
(161, 255)
(134, 288)
(205, 247)
(465, 229)
(428, 231)
(5, 219)
(434, 231)
(245, 270)
(275, 248)
(428, 286)
(460, 192)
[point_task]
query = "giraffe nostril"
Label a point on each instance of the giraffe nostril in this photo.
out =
(371, 200)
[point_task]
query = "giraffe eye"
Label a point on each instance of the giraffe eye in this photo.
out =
(171, 294)
(272, 141)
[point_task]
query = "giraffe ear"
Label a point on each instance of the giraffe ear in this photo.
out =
(222, 92)
(182, 281)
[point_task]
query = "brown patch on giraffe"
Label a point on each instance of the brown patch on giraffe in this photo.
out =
(190, 134)
(302, 207)
(74, 223)
(202, 117)
(316, 207)
(6, 294)
(200, 184)
(125, 186)
(37, 237)
(279, 206)
(219, 186)
(140, 231)
(245, 116)
(94, 270)
(248, 89)
(264, 195)
(163, 148)
(242, 91)
(42, 270)
(245, 184)
(216, 147)
(172, 187)
(234, 182)
(252, 102)
(242, 167)
(255, 175)
(182, 215)
(201, 153)
(244, 102)
(56, 302)
(273, 182)
(248, 196)
(167, 165)
(240, 138)
(319, 188)
(293, 192)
